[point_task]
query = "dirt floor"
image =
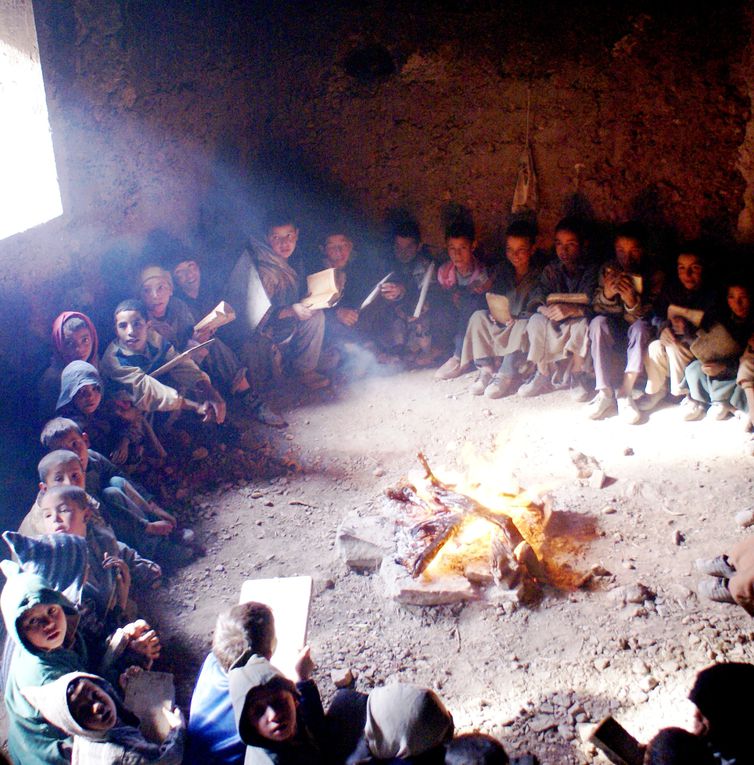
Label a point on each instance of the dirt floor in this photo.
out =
(531, 676)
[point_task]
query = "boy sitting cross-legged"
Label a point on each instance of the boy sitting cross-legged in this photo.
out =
(136, 519)
(138, 350)
(558, 333)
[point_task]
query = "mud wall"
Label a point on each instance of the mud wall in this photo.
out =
(194, 116)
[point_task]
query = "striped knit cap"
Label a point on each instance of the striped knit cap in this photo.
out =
(60, 559)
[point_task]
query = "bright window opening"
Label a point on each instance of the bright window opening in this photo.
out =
(29, 189)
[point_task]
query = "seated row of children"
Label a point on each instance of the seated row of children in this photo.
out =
(597, 329)
(72, 636)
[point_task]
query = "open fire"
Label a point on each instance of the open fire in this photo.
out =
(486, 532)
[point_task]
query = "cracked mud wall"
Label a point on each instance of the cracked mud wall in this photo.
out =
(187, 115)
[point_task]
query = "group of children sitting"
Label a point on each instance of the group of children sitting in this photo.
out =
(95, 541)
(597, 328)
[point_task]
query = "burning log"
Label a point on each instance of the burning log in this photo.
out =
(511, 558)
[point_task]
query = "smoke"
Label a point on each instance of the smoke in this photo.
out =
(359, 363)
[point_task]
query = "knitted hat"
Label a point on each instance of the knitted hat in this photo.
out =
(155, 272)
(60, 559)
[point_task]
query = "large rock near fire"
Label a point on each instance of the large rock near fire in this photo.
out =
(399, 585)
(363, 541)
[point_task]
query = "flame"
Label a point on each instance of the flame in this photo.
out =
(557, 538)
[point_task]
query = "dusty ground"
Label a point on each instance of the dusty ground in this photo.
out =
(531, 676)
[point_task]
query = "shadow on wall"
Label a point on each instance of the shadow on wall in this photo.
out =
(278, 176)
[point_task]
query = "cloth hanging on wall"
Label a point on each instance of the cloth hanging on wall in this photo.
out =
(525, 196)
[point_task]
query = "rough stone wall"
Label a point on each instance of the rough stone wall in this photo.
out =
(181, 114)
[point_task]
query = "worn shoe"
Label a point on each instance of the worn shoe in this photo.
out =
(500, 385)
(314, 381)
(479, 385)
(581, 390)
(692, 410)
(628, 411)
(715, 589)
(449, 370)
(649, 401)
(538, 385)
(718, 567)
(602, 405)
(719, 410)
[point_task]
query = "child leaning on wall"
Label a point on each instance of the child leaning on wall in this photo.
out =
(132, 512)
(74, 338)
(63, 510)
(87, 708)
(559, 332)
(464, 280)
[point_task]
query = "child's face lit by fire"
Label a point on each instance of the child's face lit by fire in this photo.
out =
(629, 253)
(568, 248)
(405, 248)
(518, 250)
(690, 272)
(338, 249)
(739, 302)
(131, 328)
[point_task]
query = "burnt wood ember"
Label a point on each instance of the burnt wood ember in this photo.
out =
(511, 558)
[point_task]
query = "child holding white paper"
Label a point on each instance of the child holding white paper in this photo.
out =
(88, 709)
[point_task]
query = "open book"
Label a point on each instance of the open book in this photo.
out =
(322, 288)
(499, 307)
(692, 315)
(288, 598)
(572, 298)
(147, 693)
(219, 316)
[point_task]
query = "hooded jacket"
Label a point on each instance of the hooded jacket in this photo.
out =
(31, 739)
(302, 749)
(74, 377)
(405, 723)
(123, 744)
